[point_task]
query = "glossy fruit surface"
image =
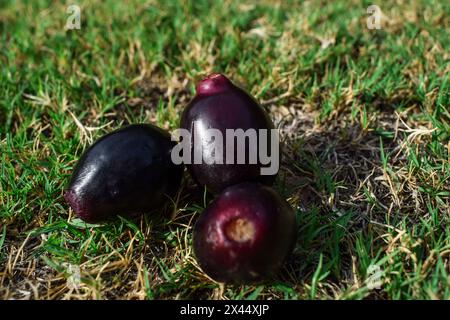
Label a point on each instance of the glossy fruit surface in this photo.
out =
(221, 105)
(128, 171)
(245, 234)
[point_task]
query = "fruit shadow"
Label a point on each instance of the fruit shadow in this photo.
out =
(325, 175)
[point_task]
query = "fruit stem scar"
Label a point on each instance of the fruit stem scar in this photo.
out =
(240, 230)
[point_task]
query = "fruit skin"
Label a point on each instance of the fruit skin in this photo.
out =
(250, 257)
(125, 172)
(221, 105)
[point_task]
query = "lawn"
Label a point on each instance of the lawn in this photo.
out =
(365, 122)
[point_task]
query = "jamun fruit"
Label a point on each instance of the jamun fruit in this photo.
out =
(245, 235)
(221, 105)
(126, 172)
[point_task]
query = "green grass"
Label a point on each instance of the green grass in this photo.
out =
(365, 120)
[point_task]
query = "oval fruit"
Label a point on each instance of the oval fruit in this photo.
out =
(125, 172)
(221, 105)
(245, 234)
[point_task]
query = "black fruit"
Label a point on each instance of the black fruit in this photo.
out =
(221, 105)
(245, 234)
(125, 172)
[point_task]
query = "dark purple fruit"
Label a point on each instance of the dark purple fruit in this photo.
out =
(219, 104)
(245, 234)
(125, 172)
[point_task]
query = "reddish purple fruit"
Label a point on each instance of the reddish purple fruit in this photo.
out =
(126, 172)
(245, 235)
(219, 104)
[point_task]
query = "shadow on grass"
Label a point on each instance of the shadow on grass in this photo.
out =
(330, 175)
